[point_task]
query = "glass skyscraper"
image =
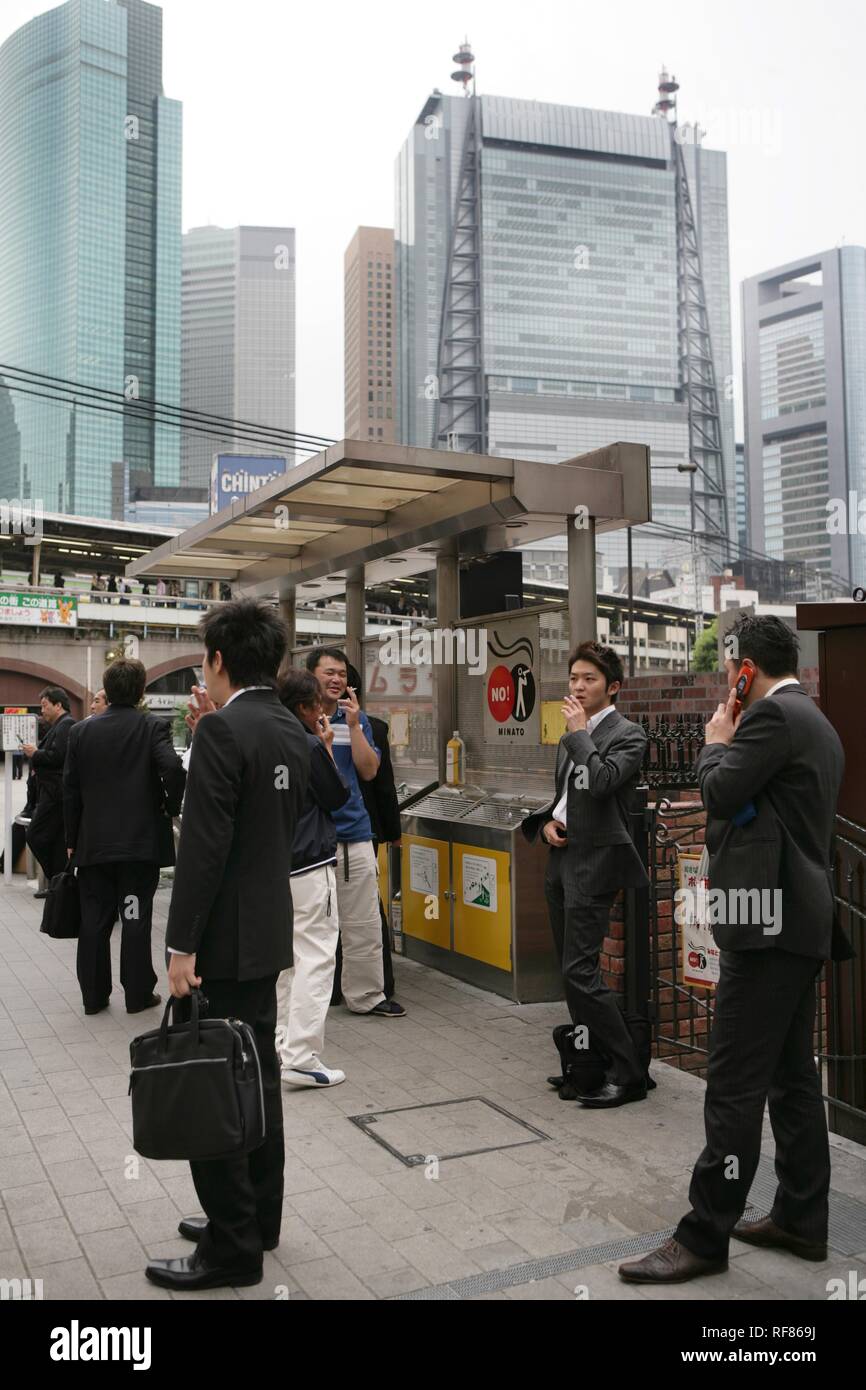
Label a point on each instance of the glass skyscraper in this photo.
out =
(578, 289)
(238, 339)
(90, 245)
(804, 366)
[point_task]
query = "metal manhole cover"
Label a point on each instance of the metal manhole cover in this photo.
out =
(447, 1129)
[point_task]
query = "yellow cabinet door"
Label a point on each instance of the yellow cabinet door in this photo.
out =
(424, 882)
(482, 904)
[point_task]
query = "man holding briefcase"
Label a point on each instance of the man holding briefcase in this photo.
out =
(230, 920)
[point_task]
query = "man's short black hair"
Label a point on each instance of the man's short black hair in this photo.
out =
(766, 640)
(124, 681)
(299, 687)
(604, 658)
(56, 695)
(333, 652)
(250, 636)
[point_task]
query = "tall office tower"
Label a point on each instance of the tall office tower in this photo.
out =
(370, 411)
(90, 227)
(238, 341)
(562, 276)
(742, 495)
(804, 365)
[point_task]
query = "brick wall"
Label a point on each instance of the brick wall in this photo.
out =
(696, 692)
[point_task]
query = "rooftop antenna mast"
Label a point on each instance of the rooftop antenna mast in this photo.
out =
(705, 464)
(460, 414)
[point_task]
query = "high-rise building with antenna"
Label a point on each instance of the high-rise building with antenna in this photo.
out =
(562, 282)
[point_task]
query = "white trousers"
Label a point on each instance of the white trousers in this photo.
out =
(363, 977)
(304, 991)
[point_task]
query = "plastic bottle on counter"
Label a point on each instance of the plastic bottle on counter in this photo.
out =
(455, 761)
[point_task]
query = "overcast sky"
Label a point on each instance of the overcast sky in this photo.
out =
(294, 113)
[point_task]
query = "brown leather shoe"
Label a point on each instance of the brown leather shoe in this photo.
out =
(769, 1236)
(672, 1263)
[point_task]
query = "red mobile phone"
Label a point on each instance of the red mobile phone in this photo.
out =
(745, 676)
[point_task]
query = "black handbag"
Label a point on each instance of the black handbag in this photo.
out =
(584, 1068)
(196, 1088)
(61, 915)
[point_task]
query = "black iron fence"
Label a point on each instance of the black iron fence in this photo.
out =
(673, 748)
(681, 1014)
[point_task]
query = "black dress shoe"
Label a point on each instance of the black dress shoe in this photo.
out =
(556, 1081)
(150, 1004)
(191, 1272)
(610, 1094)
(672, 1263)
(96, 1008)
(42, 893)
(769, 1236)
(194, 1227)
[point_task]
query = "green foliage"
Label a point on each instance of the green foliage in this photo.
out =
(705, 655)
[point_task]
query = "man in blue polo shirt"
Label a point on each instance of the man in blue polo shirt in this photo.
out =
(356, 756)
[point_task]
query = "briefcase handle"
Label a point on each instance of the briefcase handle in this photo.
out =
(194, 998)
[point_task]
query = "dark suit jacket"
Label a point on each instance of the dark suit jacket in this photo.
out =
(380, 794)
(787, 759)
(121, 783)
(231, 902)
(600, 850)
(47, 762)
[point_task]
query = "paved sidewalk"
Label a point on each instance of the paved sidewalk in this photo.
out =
(548, 1219)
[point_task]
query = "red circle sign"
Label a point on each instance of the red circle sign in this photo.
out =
(500, 693)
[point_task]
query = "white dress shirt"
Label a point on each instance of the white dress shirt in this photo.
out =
(591, 724)
(789, 680)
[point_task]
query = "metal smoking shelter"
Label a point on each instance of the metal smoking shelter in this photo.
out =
(468, 888)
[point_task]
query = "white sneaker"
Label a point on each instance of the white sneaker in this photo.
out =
(318, 1075)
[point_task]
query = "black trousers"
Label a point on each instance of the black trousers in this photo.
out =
(46, 836)
(761, 1050)
(579, 924)
(243, 1197)
(109, 891)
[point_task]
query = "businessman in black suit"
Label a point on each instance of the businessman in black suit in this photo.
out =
(45, 834)
(592, 856)
(230, 920)
(769, 780)
(122, 784)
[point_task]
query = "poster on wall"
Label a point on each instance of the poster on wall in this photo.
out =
(38, 610)
(423, 870)
(511, 705)
(700, 954)
(479, 882)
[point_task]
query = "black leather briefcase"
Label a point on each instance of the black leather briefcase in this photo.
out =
(61, 915)
(196, 1088)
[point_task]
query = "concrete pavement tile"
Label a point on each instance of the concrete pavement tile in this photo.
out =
(93, 1211)
(34, 1098)
(68, 1281)
(182, 1192)
(364, 1252)
(276, 1285)
(76, 1175)
(298, 1242)
(130, 1191)
(395, 1282)
(599, 1283)
(83, 1103)
(500, 1255)
(154, 1221)
(418, 1192)
(314, 1151)
(462, 1226)
(111, 1083)
(391, 1218)
(7, 1239)
(46, 1242)
(14, 1140)
(538, 1237)
(19, 1171)
(36, 1202)
(132, 1287)
(60, 1148)
(47, 1121)
(330, 1279)
(97, 1125)
(548, 1290)
(791, 1277)
(351, 1183)
(435, 1257)
(117, 1251)
(324, 1210)
(299, 1178)
(66, 1083)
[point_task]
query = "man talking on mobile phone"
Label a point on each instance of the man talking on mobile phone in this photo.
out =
(769, 779)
